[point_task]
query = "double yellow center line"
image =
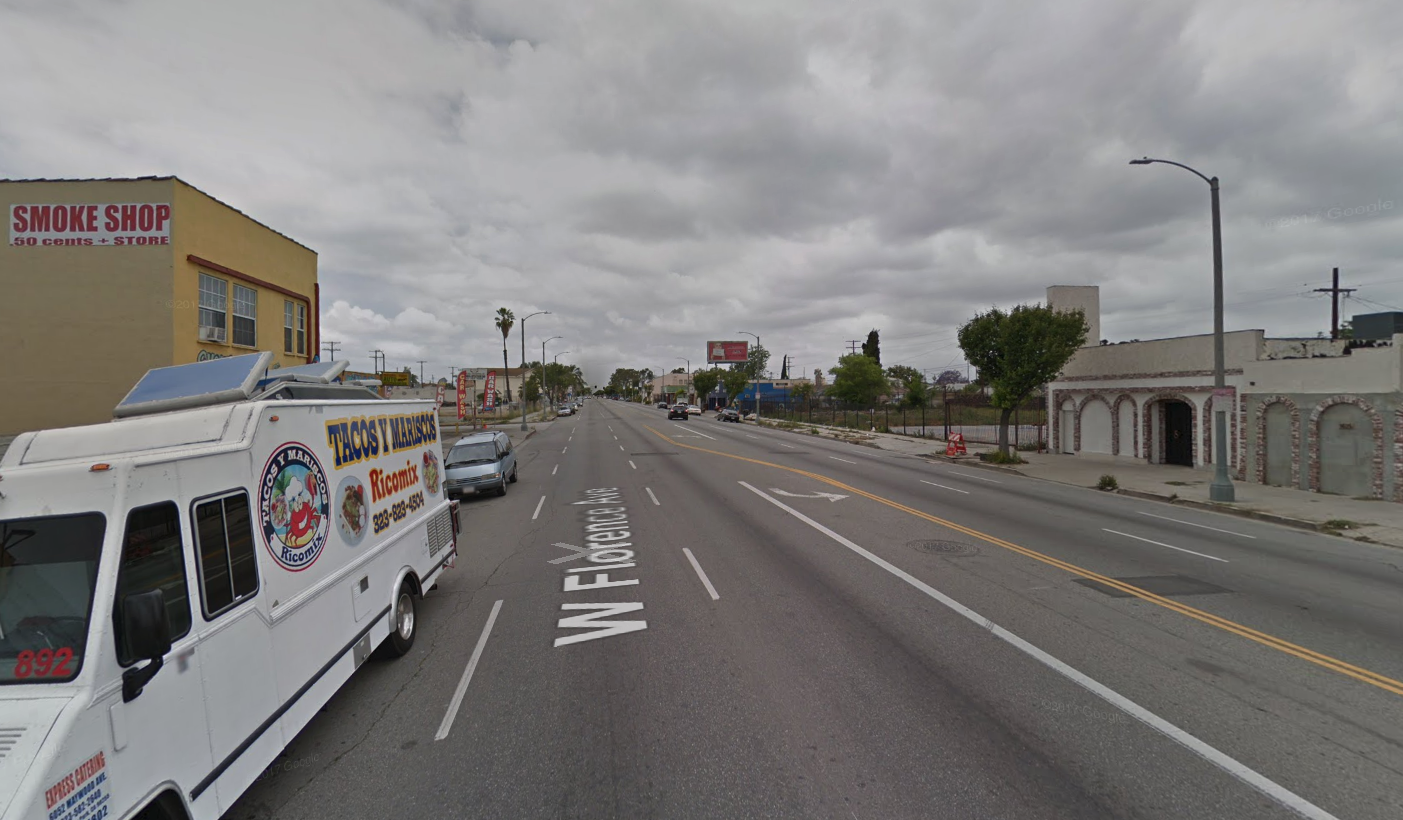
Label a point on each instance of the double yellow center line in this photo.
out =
(1319, 659)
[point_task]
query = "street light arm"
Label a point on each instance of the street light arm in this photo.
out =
(1148, 161)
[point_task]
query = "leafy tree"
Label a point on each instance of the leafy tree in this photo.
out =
(705, 381)
(679, 370)
(1019, 351)
(950, 377)
(505, 321)
(858, 379)
(734, 381)
(803, 391)
(872, 347)
(754, 368)
(913, 381)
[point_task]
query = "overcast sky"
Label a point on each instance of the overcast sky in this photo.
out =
(657, 173)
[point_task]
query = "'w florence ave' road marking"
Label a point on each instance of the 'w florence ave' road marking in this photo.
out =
(607, 534)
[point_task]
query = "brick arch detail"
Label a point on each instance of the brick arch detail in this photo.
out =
(1207, 413)
(1261, 449)
(1148, 434)
(1054, 435)
(1117, 446)
(1377, 472)
(1076, 429)
(1398, 454)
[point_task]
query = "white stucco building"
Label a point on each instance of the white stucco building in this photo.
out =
(1315, 414)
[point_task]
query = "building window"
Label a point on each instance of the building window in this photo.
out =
(245, 316)
(152, 558)
(213, 305)
(301, 330)
(224, 550)
(287, 326)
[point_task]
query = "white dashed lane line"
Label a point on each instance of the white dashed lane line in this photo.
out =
(631, 464)
(1204, 526)
(1166, 546)
(711, 590)
(650, 495)
(539, 504)
(844, 460)
(943, 487)
(553, 469)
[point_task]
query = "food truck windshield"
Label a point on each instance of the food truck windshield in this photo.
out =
(48, 569)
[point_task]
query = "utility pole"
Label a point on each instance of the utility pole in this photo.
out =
(1335, 290)
(421, 371)
(853, 345)
(377, 358)
(330, 347)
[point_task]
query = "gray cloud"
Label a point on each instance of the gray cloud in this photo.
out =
(660, 174)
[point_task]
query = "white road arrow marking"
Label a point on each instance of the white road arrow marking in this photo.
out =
(829, 496)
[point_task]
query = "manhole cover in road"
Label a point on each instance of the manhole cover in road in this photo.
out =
(944, 547)
(1163, 585)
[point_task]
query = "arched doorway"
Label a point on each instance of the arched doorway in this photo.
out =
(1279, 447)
(1067, 427)
(1346, 451)
(1177, 426)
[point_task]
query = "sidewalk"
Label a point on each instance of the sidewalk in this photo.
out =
(1363, 520)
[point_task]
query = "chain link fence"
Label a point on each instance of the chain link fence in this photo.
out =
(969, 414)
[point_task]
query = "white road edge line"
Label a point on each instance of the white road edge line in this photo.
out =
(980, 477)
(656, 502)
(539, 504)
(844, 460)
(467, 676)
(943, 487)
(1167, 546)
(702, 575)
(698, 432)
(631, 464)
(1260, 782)
(1204, 526)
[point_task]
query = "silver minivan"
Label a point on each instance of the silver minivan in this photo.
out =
(478, 463)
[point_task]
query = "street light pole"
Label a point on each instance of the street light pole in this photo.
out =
(523, 364)
(689, 375)
(1221, 488)
(757, 374)
(543, 375)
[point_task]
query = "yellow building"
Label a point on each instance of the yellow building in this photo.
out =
(104, 279)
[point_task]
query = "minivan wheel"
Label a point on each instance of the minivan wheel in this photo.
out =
(502, 490)
(513, 479)
(404, 625)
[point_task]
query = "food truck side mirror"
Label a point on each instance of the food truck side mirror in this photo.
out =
(146, 627)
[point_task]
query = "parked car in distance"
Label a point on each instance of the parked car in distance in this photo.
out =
(694, 410)
(728, 414)
(677, 411)
(479, 463)
(564, 410)
(662, 405)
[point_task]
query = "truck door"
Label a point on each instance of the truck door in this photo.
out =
(239, 681)
(160, 735)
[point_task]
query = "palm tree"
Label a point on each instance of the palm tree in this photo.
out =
(505, 320)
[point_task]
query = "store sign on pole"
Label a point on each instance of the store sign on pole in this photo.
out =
(489, 398)
(88, 224)
(462, 396)
(728, 352)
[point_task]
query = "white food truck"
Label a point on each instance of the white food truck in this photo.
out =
(184, 587)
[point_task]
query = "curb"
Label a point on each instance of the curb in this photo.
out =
(1272, 518)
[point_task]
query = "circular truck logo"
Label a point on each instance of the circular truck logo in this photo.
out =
(292, 500)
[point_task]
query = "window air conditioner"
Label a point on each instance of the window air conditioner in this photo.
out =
(211, 334)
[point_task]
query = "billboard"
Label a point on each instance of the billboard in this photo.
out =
(395, 378)
(728, 352)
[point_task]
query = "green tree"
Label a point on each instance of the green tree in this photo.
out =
(705, 381)
(858, 379)
(734, 382)
(505, 320)
(1019, 351)
(754, 367)
(912, 381)
(803, 391)
(872, 347)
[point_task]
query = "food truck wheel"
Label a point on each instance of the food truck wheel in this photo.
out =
(403, 624)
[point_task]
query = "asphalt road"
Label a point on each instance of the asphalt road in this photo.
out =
(805, 628)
